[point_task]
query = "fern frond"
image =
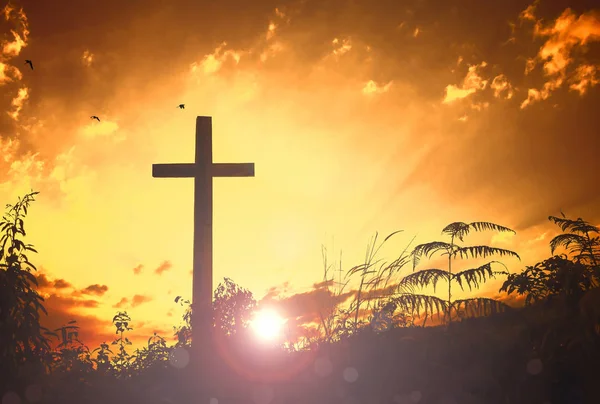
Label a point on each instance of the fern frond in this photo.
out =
(481, 306)
(422, 278)
(483, 251)
(567, 239)
(460, 229)
(483, 226)
(412, 304)
(456, 229)
(576, 226)
(475, 276)
(429, 249)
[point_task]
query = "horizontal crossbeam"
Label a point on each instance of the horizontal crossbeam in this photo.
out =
(190, 170)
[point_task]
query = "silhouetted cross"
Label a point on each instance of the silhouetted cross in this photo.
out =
(203, 171)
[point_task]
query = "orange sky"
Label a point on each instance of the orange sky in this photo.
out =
(359, 118)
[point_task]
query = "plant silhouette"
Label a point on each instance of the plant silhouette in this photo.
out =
(578, 242)
(22, 338)
(471, 277)
(232, 308)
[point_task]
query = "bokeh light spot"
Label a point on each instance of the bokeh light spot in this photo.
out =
(179, 358)
(535, 367)
(350, 374)
(11, 398)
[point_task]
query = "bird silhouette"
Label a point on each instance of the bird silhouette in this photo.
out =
(95, 117)
(30, 63)
(181, 106)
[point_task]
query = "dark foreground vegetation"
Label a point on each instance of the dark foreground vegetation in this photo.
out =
(391, 344)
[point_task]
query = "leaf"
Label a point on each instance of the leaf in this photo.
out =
(481, 306)
(473, 277)
(460, 229)
(577, 226)
(392, 234)
(483, 251)
(414, 304)
(429, 249)
(565, 240)
(423, 278)
(457, 230)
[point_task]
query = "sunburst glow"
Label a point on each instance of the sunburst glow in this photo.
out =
(267, 324)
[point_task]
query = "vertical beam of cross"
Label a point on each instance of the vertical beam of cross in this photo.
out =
(203, 170)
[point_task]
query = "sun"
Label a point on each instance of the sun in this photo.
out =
(267, 324)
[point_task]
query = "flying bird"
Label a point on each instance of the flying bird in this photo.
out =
(95, 117)
(30, 63)
(181, 106)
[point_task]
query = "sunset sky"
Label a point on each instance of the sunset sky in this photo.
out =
(360, 116)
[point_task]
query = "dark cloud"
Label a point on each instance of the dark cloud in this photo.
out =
(164, 267)
(135, 301)
(307, 307)
(45, 284)
(121, 303)
(42, 280)
(96, 289)
(138, 269)
(72, 303)
(530, 141)
(139, 299)
(61, 284)
(62, 309)
(323, 284)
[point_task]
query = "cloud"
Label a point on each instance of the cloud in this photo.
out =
(61, 284)
(308, 306)
(87, 58)
(471, 83)
(373, 88)
(9, 73)
(71, 302)
(341, 47)
(529, 13)
(102, 128)
(502, 88)
(213, 62)
(121, 303)
(566, 40)
(584, 78)
(18, 102)
(96, 289)
(135, 301)
(63, 306)
(324, 284)
(20, 35)
(42, 280)
(164, 267)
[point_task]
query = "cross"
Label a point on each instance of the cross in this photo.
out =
(203, 170)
